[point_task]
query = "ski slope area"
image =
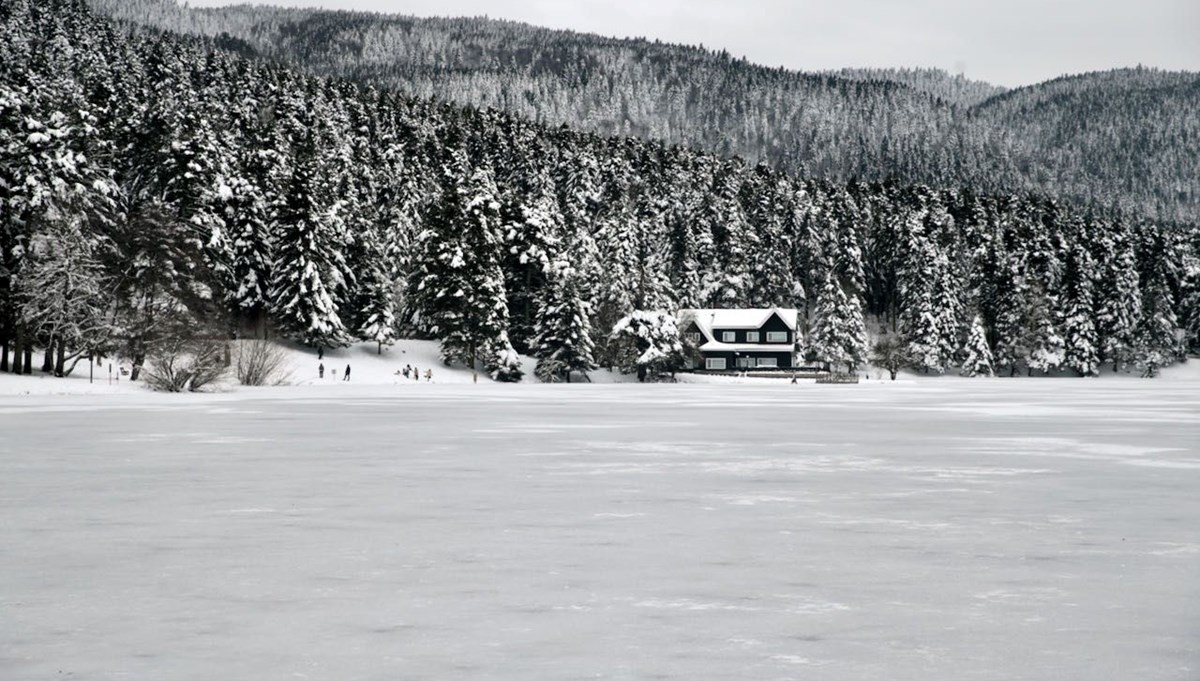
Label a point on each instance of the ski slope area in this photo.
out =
(948, 529)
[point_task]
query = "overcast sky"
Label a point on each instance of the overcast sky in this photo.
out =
(1007, 42)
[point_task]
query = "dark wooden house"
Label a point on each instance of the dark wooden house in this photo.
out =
(740, 340)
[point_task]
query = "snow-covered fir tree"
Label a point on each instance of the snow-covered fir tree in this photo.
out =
(309, 268)
(838, 336)
(459, 283)
(978, 354)
(563, 341)
(1080, 342)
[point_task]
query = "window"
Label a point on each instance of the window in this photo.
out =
(751, 336)
(777, 336)
(694, 337)
(715, 364)
(728, 336)
(745, 362)
(769, 362)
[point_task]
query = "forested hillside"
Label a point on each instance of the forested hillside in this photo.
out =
(153, 187)
(1121, 138)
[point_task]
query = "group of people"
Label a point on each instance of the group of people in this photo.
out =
(407, 372)
(321, 372)
(415, 373)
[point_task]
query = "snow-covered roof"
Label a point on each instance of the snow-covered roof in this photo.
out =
(745, 318)
(717, 346)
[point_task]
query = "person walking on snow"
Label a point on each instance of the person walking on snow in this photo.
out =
(429, 375)
(347, 378)
(321, 370)
(321, 353)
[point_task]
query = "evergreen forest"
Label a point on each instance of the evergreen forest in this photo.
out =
(1123, 139)
(155, 185)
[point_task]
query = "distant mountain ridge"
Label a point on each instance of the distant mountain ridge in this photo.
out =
(954, 89)
(1117, 138)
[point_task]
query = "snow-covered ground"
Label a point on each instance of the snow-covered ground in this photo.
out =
(367, 367)
(941, 529)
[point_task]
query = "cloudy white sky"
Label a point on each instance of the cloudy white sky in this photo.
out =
(1007, 42)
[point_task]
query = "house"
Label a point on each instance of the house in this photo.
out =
(741, 339)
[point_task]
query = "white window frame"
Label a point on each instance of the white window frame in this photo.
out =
(777, 336)
(714, 364)
(745, 362)
(729, 336)
(752, 337)
(768, 362)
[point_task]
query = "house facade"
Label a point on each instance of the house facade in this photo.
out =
(740, 340)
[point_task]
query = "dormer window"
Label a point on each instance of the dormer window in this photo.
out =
(777, 337)
(694, 337)
(752, 337)
(728, 336)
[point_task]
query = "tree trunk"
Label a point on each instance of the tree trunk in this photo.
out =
(136, 370)
(18, 352)
(380, 351)
(60, 361)
(48, 358)
(4, 356)
(28, 359)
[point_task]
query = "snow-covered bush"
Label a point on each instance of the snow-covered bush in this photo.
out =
(648, 342)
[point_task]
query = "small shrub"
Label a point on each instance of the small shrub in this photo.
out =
(185, 365)
(261, 362)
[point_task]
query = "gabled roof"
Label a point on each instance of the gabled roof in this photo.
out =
(745, 318)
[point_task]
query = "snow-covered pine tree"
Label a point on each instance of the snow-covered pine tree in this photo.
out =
(1191, 303)
(1157, 335)
(532, 224)
(766, 200)
(376, 295)
(978, 354)
(457, 282)
(247, 219)
(309, 264)
(922, 283)
(563, 340)
(734, 241)
(828, 338)
(1118, 295)
(1080, 343)
(838, 335)
(690, 248)
(49, 179)
(1044, 343)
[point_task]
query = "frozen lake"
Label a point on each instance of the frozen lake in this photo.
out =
(950, 529)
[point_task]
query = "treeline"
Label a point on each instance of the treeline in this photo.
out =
(153, 187)
(1120, 139)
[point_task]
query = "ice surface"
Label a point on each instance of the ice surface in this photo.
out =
(1007, 529)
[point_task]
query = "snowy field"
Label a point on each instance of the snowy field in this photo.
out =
(947, 529)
